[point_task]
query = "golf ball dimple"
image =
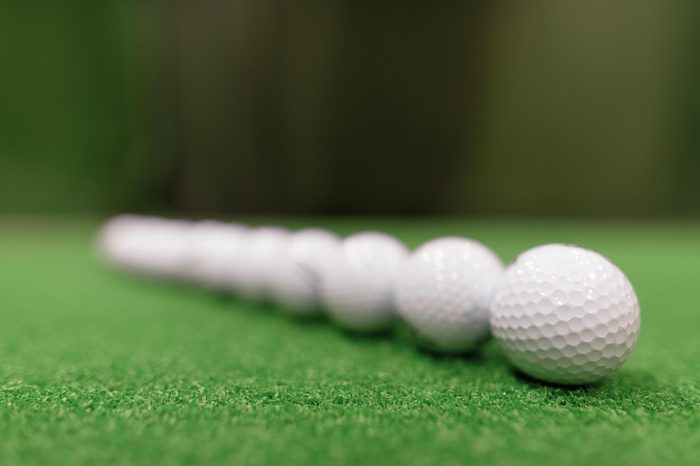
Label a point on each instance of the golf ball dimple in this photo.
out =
(296, 280)
(444, 292)
(358, 289)
(565, 314)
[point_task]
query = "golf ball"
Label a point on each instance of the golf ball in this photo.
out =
(113, 239)
(297, 278)
(251, 276)
(214, 249)
(169, 247)
(146, 245)
(565, 314)
(444, 292)
(358, 289)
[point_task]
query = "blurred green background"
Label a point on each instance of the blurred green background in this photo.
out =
(351, 107)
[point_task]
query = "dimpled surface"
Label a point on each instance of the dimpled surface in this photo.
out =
(444, 293)
(564, 314)
(358, 289)
(296, 281)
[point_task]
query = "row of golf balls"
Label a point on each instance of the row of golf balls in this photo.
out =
(561, 313)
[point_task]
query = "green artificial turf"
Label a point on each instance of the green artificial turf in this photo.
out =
(100, 368)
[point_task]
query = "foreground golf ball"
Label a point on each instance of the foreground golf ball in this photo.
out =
(565, 315)
(358, 289)
(444, 292)
(296, 280)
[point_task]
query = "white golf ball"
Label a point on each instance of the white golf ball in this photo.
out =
(565, 315)
(214, 249)
(112, 239)
(252, 275)
(140, 246)
(169, 248)
(358, 289)
(296, 282)
(445, 290)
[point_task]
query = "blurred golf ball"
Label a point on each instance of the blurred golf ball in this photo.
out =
(297, 278)
(252, 275)
(113, 239)
(358, 289)
(148, 246)
(444, 292)
(214, 250)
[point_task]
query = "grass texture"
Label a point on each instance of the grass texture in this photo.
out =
(100, 368)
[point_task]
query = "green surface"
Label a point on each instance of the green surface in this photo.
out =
(99, 368)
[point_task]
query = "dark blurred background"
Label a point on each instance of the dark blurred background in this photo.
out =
(351, 107)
